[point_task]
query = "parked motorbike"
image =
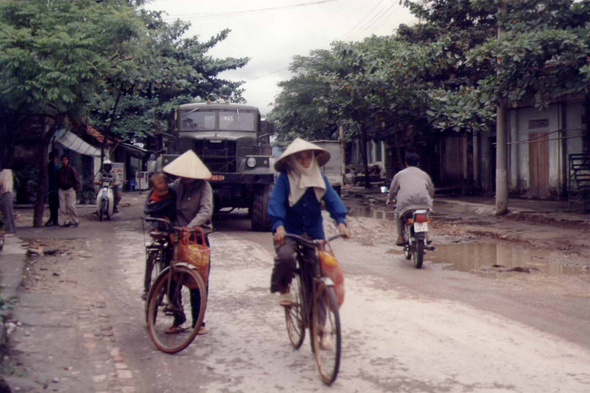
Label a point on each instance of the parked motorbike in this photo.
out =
(416, 236)
(105, 201)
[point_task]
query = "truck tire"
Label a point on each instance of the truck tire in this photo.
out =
(260, 219)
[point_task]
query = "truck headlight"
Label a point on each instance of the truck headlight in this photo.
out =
(251, 162)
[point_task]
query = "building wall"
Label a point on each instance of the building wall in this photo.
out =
(558, 121)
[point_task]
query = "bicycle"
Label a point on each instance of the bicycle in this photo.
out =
(156, 258)
(172, 324)
(314, 306)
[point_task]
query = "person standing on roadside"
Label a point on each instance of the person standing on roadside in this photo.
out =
(52, 189)
(68, 183)
(6, 200)
(194, 208)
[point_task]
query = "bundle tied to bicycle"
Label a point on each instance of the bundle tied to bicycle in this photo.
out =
(196, 253)
(332, 270)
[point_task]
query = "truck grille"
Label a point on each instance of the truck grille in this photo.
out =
(219, 157)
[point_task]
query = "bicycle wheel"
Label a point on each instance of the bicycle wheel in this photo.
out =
(294, 314)
(100, 210)
(176, 315)
(153, 267)
(325, 332)
(419, 254)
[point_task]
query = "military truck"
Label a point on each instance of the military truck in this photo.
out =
(234, 143)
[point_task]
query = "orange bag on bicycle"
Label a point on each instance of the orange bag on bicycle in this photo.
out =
(193, 253)
(332, 270)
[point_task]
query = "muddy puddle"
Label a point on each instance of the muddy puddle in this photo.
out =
(491, 257)
(368, 212)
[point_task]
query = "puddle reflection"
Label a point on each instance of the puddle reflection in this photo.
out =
(367, 212)
(482, 256)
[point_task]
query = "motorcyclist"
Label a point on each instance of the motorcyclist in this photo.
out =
(412, 189)
(109, 175)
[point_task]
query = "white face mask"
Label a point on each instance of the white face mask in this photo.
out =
(301, 178)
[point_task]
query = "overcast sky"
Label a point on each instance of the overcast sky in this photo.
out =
(271, 38)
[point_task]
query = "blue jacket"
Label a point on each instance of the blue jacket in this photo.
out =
(306, 215)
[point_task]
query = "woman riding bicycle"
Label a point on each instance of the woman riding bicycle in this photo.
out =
(194, 208)
(295, 208)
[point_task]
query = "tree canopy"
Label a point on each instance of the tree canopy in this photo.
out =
(447, 72)
(107, 62)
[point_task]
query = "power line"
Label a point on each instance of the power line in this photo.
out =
(362, 20)
(391, 14)
(230, 14)
(373, 21)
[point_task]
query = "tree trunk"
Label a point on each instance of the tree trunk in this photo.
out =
(586, 141)
(42, 159)
(364, 155)
(400, 159)
(501, 144)
(111, 126)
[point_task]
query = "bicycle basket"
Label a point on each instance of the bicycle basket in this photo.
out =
(332, 270)
(193, 253)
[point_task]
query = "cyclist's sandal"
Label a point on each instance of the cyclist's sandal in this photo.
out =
(176, 329)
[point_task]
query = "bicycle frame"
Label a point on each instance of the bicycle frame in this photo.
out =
(310, 271)
(177, 232)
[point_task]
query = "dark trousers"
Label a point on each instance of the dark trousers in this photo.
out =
(286, 264)
(7, 212)
(53, 200)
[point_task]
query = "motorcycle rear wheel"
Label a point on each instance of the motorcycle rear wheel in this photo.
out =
(419, 254)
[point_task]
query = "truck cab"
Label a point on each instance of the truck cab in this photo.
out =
(234, 143)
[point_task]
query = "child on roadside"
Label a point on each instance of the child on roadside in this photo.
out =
(161, 202)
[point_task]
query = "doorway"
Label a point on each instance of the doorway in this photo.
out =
(539, 164)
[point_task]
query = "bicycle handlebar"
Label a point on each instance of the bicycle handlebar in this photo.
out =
(313, 242)
(168, 224)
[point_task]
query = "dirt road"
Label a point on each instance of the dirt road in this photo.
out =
(407, 330)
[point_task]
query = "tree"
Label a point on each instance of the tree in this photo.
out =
(542, 54)
(62, 61)
(54, 56)
(303, 108)
(169, 71)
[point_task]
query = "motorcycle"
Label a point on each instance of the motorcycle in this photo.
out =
(415, 233)
(105, 201)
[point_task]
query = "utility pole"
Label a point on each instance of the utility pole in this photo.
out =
(501, 142)
(343, 163)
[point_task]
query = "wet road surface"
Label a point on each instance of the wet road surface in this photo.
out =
(406, 330)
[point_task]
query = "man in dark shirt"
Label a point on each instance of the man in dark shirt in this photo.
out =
(52, 189)
(68, 183)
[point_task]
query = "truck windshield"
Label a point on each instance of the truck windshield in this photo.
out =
(237, 120)
(197, 120)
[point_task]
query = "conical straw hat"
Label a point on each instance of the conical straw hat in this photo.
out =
(188, 165)
(322, 155)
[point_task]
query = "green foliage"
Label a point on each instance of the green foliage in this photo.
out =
(442, 73)
(55, 55)
(170, 70)
(543, 53)
(72, 58)
(304, 107)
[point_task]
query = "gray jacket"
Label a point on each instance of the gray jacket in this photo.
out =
(413, 189)
(194, 204)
